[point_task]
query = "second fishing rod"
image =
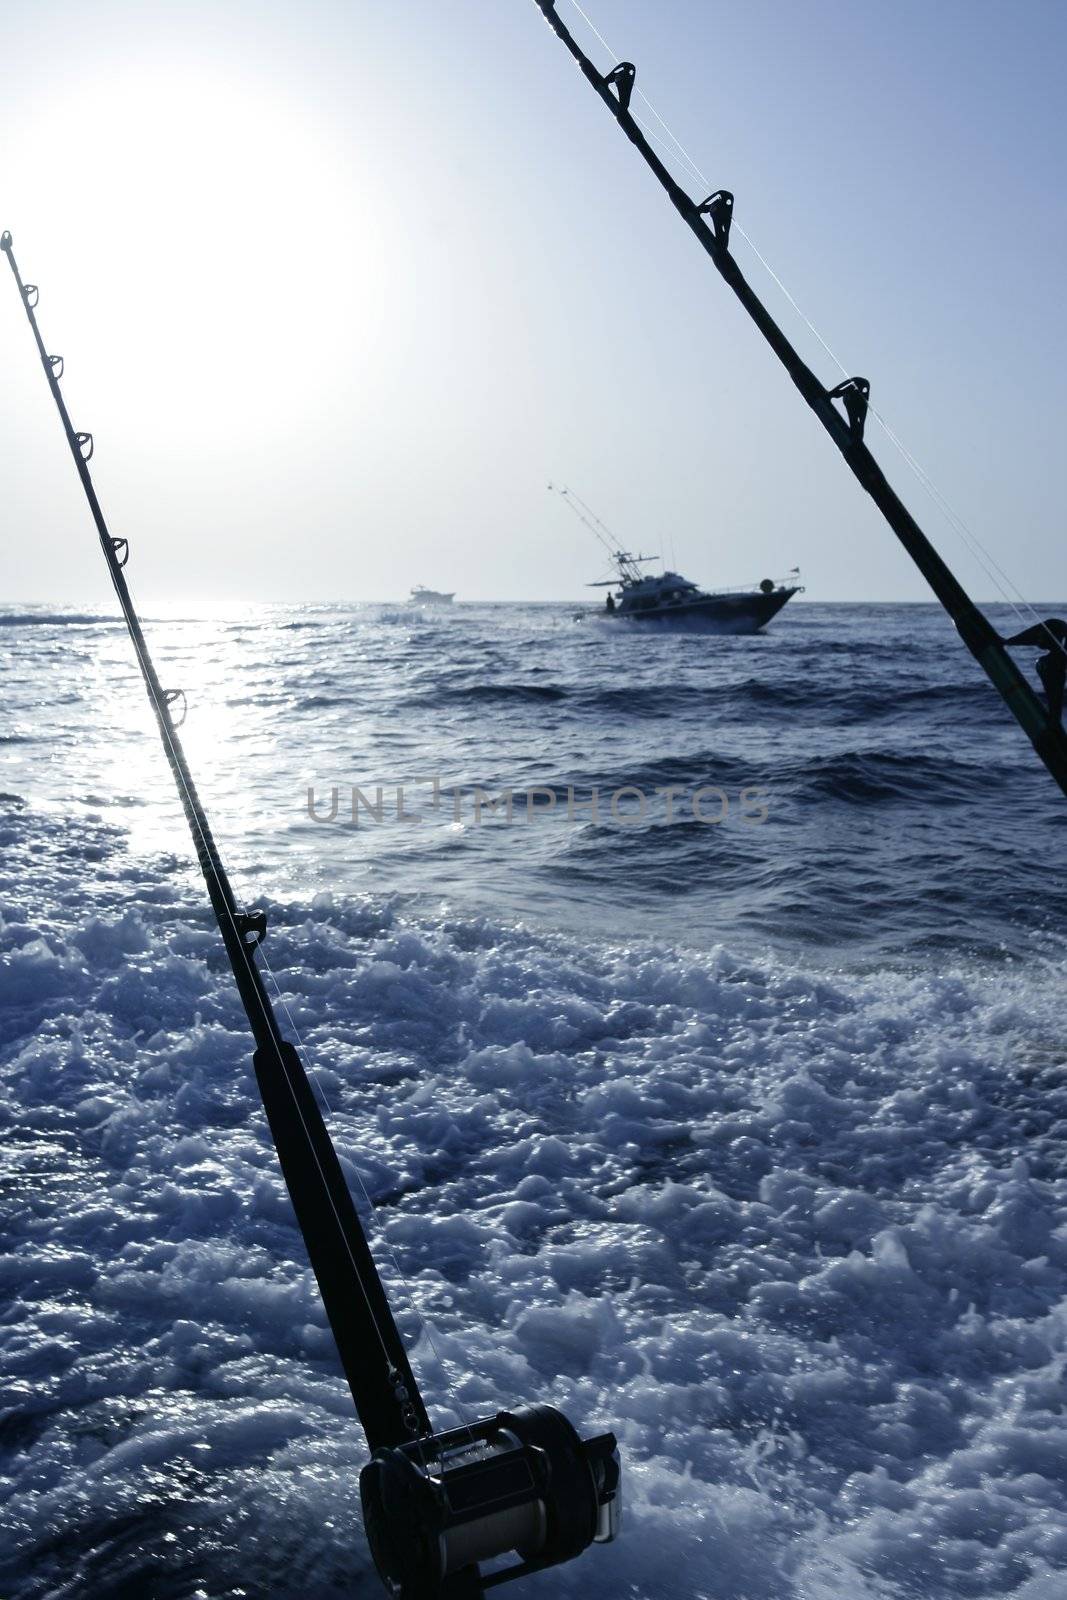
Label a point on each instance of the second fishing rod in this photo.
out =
(709, 220)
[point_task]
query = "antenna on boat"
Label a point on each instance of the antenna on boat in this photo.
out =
(600, 531)
(435, 1505)
(842, 411)
(600, 523)
(626, 563)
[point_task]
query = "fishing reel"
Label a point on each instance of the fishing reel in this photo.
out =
(522, 1482)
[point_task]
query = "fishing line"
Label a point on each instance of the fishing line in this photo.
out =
(978, 550)
(990, 566)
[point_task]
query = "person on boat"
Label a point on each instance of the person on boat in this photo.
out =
(610, 602)
(1050, 636)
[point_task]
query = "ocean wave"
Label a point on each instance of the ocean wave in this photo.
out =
(56, 619)
(480, 694)
(873, 777)
(770, 700)
(794, 1237)
(318, 702)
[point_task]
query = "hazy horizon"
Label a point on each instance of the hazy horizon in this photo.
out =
(339, 292)
(172, 603)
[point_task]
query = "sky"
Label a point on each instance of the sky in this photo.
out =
(341, 287)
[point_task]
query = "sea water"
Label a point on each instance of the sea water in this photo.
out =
(690, 1012)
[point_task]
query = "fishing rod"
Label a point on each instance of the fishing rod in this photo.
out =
(435, 1505)
(843, 413)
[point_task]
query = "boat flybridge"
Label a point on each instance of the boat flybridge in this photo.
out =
(667, 597)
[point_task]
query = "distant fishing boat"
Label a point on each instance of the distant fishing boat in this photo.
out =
(421, 596)
(667, 597)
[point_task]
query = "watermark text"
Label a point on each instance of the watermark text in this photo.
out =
(629, 806)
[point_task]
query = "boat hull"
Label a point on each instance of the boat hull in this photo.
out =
(712, 613)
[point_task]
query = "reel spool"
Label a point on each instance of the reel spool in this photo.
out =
(521, 1481)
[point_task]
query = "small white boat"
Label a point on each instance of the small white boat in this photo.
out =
(421, 596)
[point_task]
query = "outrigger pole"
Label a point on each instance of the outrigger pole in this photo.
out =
(434, 1505)
(710, 222)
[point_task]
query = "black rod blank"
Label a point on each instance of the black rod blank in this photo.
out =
(384, 1389)
(1041, 726)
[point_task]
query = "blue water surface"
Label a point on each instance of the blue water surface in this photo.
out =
(738, 1129)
